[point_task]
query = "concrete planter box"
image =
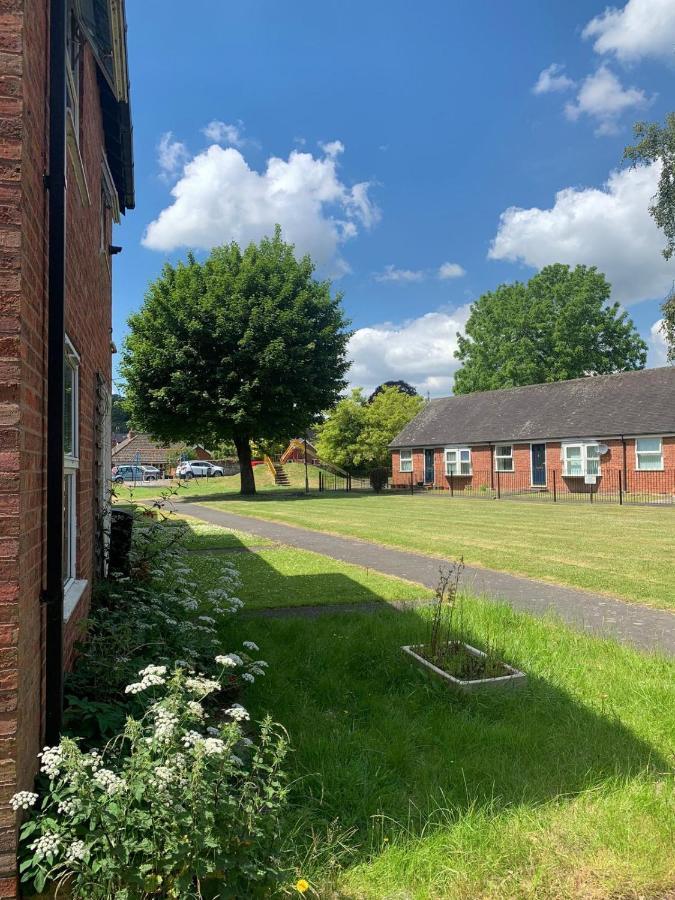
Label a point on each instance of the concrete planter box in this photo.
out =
(510, 680)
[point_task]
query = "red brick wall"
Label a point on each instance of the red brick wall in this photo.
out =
(23, 292)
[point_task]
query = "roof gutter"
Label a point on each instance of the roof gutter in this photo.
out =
(56, 267)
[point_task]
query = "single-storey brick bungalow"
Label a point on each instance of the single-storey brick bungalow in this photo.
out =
(571, 435)
(140, 448)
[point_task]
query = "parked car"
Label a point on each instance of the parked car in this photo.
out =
(121, 474)
(199, 468)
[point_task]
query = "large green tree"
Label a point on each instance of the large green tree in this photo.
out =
(558, 325)
(356, 433)
(245, 345)
(656, 143)
(668, 327)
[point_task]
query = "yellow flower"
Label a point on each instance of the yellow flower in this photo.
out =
(302, 886)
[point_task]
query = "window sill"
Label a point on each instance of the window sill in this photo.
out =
(72, 596)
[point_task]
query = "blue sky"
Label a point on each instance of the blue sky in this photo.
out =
(391, 140)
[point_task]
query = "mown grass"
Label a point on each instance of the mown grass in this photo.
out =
(404, 790)
(282, 576)
(627, 552)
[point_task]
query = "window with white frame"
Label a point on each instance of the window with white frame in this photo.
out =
(71, 462)
(504, 458)
(649, 454)
(458, 461)
(405, 461)
(581, 459)
(73, 56)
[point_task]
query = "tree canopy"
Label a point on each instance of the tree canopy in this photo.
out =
(119, 417)
(656, 143)
(402, 386)
(558, 325)
(668, 326)
(245, 345)
(357, 432)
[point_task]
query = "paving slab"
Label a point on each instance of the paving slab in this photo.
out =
(640, 626)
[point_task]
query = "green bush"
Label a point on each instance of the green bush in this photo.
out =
(378, 478)
(182, 804)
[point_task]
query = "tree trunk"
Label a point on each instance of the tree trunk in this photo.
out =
(243, 445)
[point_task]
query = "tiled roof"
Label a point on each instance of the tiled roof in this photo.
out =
(629, 403)
(151, 452)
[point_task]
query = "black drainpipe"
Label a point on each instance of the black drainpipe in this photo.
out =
(56, 268)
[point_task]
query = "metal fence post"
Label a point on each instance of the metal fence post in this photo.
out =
(411, 484)
(555, 488)
(499, 486)
(620, 488)
(452, 486)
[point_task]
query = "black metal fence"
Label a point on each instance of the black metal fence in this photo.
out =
(612, 486)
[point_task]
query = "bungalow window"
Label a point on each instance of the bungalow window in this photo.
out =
(458, 461)
(504, 458)
(649, 454)
(405, 461)
(71, 461)
(581, 459)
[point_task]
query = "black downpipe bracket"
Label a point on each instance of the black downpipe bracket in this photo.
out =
(56, 267)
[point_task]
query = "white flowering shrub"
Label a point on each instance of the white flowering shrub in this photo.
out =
(182, 804)
(152, 621)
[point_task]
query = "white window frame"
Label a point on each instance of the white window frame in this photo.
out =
(408, 460)
(71, 465)
(73, 64)
(584, 459)
(457, 461)
(504, 456)
(639, 453)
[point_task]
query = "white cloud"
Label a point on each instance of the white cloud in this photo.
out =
(642, 28)
(657, 345)
(222, 133)
(420, 351)
(219, 198)
(171, 155)
(602, 97)
(608, 227)
(333, 148)
(391, 273)
(552, 79)
(450, 270)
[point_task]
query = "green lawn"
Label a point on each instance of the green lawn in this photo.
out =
(404, 790)
(628, 552)
(282, 576)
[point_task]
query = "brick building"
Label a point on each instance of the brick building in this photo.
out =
(611, 433)
(65, 175)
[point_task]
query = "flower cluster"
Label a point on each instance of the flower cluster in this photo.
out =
(23, 800)
(151, 676)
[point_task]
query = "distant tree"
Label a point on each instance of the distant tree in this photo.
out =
(386, 415)
(356, 433)
(340, 436)
(402, 386)
(557, 326)
(119, 416)
(656, 142)
(668, 327)
(246, 345)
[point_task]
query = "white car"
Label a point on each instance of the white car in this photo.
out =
(199, 468)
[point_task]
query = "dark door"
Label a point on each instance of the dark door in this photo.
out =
(539, 465)
(428, 466)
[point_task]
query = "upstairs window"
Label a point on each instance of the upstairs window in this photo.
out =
(405, 461)
(504, 458)
(649, 454)
(458, 461)
(581, 459)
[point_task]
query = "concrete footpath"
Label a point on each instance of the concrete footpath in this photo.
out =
(644, 628)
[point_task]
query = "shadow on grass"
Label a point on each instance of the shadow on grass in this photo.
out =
(279, 494)
(376, 740)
